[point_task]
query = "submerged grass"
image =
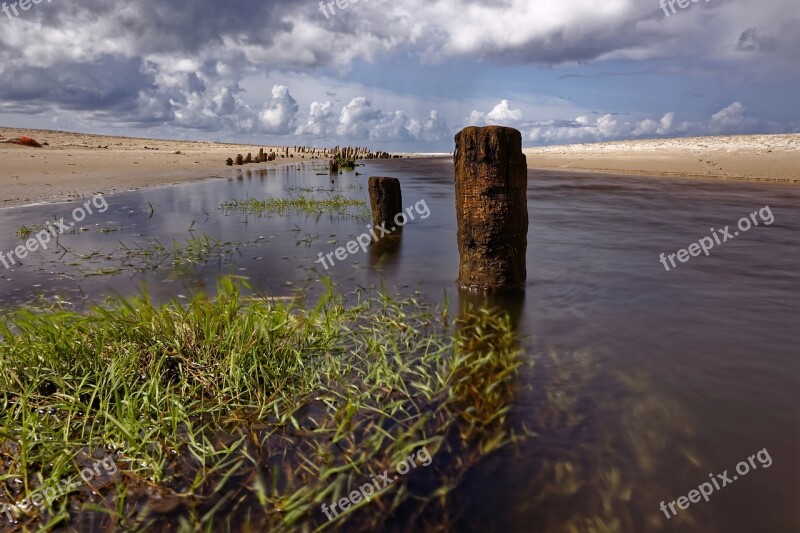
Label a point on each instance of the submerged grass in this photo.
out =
(247, 414)
(303, 203)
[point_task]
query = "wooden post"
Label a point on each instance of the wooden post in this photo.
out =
(491, 176)
(387, 202)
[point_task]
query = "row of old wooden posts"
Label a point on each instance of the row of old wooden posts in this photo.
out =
(491, 179)
(335, 154)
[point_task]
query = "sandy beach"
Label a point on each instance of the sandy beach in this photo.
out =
(746, 157)
(76, 164)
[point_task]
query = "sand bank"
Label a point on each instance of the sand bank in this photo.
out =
(742, 157)
(76, 164)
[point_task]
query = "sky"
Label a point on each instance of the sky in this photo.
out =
(400, 75)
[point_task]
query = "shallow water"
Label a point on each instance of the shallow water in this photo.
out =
(689, 371)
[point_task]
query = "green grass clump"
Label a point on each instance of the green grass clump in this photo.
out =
(245, 413)
(302, 203)
(346, 164)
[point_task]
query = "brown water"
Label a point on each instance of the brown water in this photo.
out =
(660, 379)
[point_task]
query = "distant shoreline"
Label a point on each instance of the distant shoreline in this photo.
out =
(78, 164)
(757, 158)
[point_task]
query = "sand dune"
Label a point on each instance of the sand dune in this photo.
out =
(744, 157)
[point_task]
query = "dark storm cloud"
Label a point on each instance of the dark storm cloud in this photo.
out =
(108, 84)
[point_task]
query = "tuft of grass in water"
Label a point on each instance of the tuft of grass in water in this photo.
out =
(351, 187)
(24, 232)
(245, 413)
(153, 254)
(302, 203)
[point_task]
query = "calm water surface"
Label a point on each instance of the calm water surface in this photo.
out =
(666, 377)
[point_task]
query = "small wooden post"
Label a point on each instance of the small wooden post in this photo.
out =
(491, 176)
(387, 202)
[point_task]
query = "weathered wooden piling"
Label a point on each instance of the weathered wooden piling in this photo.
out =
(239, 159)
(387, 202)
(491, 178)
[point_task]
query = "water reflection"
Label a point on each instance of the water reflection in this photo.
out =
(657, 378)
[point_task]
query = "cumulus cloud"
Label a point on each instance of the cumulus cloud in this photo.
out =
(605, 127)
(502, 115)
(649, 127)
(358, 120)
(732, 119)
(432, 128)
(322, 119)
(279, 113)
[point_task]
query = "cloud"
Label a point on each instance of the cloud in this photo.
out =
(649, 127)
(184, 64)
(322, 119)
(751, 41)
(432, 128)
(358, 120)
(731, 120)
(279, 113)
(502, 114)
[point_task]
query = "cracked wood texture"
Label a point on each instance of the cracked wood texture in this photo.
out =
(491, 175)
(386, 200)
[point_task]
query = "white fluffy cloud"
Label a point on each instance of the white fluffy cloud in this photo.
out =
(432, 128)
(502, 114)
(279, 113)
(651, 127)
(358, 120)
(322, 119)
(584, 128)
(731, 120)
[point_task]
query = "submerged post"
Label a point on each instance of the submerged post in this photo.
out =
(491, 175)
(387, 202)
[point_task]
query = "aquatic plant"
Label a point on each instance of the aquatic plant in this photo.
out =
(245, 412)
(302, 203)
